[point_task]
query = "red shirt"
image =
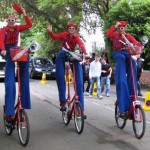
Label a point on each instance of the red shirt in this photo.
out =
(8, 36)
(116, 36)
(71, 41)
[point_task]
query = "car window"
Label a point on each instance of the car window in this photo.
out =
(38, 61)
(43, 62)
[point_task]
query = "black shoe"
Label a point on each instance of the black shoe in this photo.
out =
(123, 115)
(140, 94)
(62, 108)
(85, 117)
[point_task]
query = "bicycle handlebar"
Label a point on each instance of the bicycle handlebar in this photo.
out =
(72, 56)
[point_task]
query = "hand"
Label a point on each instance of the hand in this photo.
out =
(49, 27)
(3, 52)
(117, 24)
(24, 12)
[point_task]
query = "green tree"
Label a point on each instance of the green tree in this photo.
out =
(136, 13)
(60, 12)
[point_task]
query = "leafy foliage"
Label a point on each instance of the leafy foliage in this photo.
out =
(135, 12)
(92, 14)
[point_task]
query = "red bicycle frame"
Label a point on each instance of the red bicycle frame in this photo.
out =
(74, 83)
(134, 97)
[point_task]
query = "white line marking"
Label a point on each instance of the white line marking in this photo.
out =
(110, 108)
(95, 103)
(47, 85)
(114, 110)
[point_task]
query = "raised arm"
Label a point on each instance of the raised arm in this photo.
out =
(28, 22)
(81, 45)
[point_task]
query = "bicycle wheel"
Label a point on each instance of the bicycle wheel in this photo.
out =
(66, 115)
(78, 117)
(23, 127)
(139, 122)
(119, 121)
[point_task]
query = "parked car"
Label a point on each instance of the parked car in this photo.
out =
(38, 66)
(2, 68)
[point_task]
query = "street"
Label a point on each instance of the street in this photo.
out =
(47, 131)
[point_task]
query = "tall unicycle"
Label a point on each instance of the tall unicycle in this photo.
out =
(139, 122)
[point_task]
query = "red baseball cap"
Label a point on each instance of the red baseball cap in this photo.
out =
(122, 24)
(71, 24)
(17, 8)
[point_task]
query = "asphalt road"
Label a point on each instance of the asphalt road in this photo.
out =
(49, 133)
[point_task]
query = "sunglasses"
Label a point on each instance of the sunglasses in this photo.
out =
(72, 28)
(11, 20)
(120, 28)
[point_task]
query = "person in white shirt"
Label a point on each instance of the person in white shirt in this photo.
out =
(94, 75)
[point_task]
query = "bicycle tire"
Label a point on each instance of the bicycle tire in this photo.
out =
(139, 119)
(66, 115)
(23, 127)
(78, 117)
(119, 121)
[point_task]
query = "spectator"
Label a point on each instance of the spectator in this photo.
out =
(105, 76)
(140, 62)
(85, 68)
(92, 57)
(94, 75)
(54, 59)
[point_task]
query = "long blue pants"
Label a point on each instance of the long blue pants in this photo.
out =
(125, 78)
(60, 78)
(10, 88)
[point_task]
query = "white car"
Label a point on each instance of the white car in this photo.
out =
(2, 67)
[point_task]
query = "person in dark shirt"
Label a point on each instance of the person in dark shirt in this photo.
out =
(105, 76)
(54, 59)
(140, 62)
(92, 57)
(85, 68)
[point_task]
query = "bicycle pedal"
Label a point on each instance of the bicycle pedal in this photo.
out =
(9, 125)
(63, 108)
(123, 115)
